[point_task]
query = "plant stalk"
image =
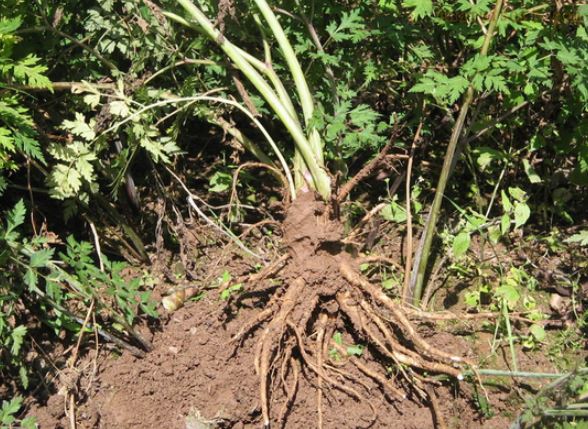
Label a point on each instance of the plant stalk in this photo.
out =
(314, 163)
(422, 258)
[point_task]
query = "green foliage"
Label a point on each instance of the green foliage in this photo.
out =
(581, 238)
(17, 133)
(8, 413)
(31, 278)
(560, 405)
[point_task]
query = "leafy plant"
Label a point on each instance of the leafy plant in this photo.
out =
(8, 413)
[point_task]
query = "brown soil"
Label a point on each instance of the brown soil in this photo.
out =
(192, 371)
(198, 377)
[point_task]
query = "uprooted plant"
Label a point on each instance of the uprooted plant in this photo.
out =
(322, 285)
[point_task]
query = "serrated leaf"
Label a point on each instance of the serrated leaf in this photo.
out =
(65, 181)
(581, 238)
(80, 127)
(11, 407)
(17, 335)
(29, 71)
(15, 217)
(10, 25)
(28, 145)
(351, 27)
(421, 8)
(29, 422)
(92, 100)
(461, 244)
(30, 279)
(522, 213)
(41, 257)
(119, 108)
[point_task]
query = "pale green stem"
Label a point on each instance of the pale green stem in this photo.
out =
(319, 176)
(521, 374)
(306, 100)
(268, 70)
(513, 353)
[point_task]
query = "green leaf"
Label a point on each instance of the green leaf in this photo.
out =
(220, 182)
(28, 145)
(389, 283)
(352, 27)
(504, 224)
(579, 174)
(225, 294)
(522, 213)
(531, 173)
(30, 72)
(394, 212)
(9, 408)
(509, 293)
(472, 299)
(15, 217)
(24, 377)
(538, 332)
(355, 350)
(119, 108)
(581, 238)
(41, 257)
(517, 193)
(17, 336)
(485, 155)
(461, 244)
(10, 25)
(443, 88)
(79, 127)
(29, 423)
(494, 233)
(421, 8)
(338, 338)
(506, 204)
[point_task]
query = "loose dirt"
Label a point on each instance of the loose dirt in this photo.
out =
(192, 372)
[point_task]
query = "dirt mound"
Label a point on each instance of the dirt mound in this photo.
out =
(192, 371)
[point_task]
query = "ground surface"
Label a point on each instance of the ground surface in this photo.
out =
(190, 372)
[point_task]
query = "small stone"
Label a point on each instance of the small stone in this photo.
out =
(173, 350)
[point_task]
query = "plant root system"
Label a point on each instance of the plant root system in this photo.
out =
(322, 293)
